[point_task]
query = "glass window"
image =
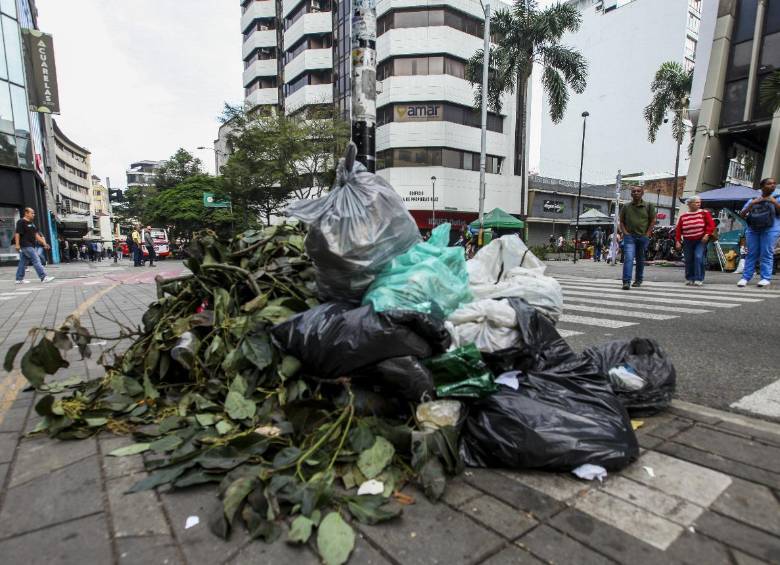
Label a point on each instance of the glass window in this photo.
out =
(8, 7)
(455, 68)
(468, 161)
(760, 112)
(24, 152)
(690, 48)
(6, 111)
(435, 65)
(695, 5)
(417, 18)
(772, 17)
(420, 66)
(451, 158)
(434, 157)
(693, 23)
(740, 60)
(13, 50)
(3, 68)
(746, 21)
(21, 113)
(770, 53)
(436, 17)
(734, 97)
(8, 150)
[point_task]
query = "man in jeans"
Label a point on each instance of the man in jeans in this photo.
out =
(637, 220)
(25, 237)
(149, 241)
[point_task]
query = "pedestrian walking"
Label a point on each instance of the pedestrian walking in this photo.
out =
(694, 230)
(598, 244)
(137, 253)
(637, 219)
(149, 240)
(25, 238)
(99, 251)
(118, 249)
(560, 243)
(763, 228)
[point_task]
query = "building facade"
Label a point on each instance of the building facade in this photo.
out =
(142, 173)
(23, 158)
(624, 42)
(101, 212)
(297, 53)
(736, 137)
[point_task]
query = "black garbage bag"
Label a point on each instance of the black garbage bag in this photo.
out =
(336, 339)
(540, 346)
(556, 420)
(407, 376)
(643, 358)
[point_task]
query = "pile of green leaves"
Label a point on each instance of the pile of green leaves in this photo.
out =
(234, 409)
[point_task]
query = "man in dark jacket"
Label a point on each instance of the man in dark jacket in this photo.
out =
(149, 241)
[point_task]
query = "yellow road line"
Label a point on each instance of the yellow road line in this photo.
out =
(15, 381)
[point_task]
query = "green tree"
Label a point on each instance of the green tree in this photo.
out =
(671, 90)
(180, 209)
(134, 208)
(180, 166)
(526, 35)
(770, 92)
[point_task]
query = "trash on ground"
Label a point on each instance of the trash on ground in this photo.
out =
(191, 522)
(372, 486)
(438, 414)
(649, 471)
(590, 472)
(489, 324)
(624, 378)
(461, 373)
(636, 424)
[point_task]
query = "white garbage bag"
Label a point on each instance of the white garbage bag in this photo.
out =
(506, 268)
(489, 324)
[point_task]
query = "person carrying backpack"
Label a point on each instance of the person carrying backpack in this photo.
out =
(763, 228)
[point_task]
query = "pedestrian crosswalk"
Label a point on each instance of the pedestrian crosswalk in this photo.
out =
(594, 304)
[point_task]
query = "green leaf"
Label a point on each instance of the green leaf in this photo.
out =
(223, 427)
(361, 438)
(96, 422)
(372, 509)
(167, 443)
(206, 420)
(10, 356)
(286, 456)
(196, 477)
(238, 385)
(257, 349)
(290, 366)
(221, 305)
(433, 479)
(276, 314)
(41, 360)
(335, 539)
(238, 407)
(260, 527)
(133, 449)
(373, 460)
(300, 530)
(150, 391)
(235, 495)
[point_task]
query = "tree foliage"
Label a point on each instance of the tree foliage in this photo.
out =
(671, 90)
(178, 168)
(770, 92)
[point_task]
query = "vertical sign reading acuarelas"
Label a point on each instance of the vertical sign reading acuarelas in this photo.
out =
(42, 91)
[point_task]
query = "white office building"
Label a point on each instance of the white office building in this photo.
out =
(426, 123)
(142, 173)
(625, 42)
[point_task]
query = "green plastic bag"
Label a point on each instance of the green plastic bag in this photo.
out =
(461, 373)
(430, 278)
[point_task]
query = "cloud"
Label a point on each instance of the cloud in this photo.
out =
(140, 78)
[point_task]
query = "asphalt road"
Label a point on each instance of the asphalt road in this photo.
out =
(720, 355)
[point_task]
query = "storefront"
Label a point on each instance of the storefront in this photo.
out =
(20, 189)
(458, 220)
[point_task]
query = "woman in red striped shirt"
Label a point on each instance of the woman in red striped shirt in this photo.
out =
(694, 228)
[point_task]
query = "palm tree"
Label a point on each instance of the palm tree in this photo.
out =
(671, 90)
(770, 92)
(528, 35)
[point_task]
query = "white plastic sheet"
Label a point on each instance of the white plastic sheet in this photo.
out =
(489, 324)
(506, 268)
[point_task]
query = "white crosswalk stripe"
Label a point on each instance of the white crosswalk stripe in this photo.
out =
(708, 287)
(593, 304)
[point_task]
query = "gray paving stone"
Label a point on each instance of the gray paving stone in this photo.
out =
(647, 441)
(555, 547)
(560, 486)
(259, 553)
(80, 542)
(512, 555)
(137, 514)
(745, 559)
(13, 421)
(731, 447)
(752, 432)
(432, 533)
(365, 553)
(459, 492)
(65, 494)
(3, 473)
(697, 416)
(513, 493)
(670, 428)
(609, 540)
(118, 466)
(198, 543)
(727, 466)
(696, 549)
(741, 536)
(157, 550)
(8, 446)
(41, 455)
(653, 500)
(499, 517)
(750, 503)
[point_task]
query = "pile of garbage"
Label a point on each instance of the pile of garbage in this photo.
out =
(312, 373)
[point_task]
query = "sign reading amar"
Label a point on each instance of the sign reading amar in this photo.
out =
(418, 113)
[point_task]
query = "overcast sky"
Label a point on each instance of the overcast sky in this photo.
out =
(140, 78)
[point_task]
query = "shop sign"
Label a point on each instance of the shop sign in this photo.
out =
(418, 113)
(42, 88)
(553, 206)
(418, 196)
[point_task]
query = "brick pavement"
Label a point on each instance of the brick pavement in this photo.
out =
(706, 488)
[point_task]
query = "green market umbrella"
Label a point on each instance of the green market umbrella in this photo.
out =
(499, 219)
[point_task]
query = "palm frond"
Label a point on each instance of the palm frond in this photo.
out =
(671, 88)
(557, 94)
(769, 92)
(569, 62)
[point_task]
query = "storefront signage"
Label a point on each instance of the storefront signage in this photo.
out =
(42, 88)
(418, 113)
(418, 196)
(554, 206)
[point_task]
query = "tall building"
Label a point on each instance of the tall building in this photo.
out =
(101, 211)
(624, 42)
(71, 174)
(737, 138)
(23, 177)
(142, 173)
(297, 53)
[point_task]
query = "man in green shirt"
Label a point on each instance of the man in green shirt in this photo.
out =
(637, 220)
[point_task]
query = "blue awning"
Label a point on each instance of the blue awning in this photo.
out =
(729, 193)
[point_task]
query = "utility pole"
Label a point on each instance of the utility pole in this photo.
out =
(483, 142)
(579, 187)
(433, 202)
(364, 81)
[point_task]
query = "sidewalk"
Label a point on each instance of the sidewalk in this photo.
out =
(704, 491)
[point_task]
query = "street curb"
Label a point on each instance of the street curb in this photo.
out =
(722, 415)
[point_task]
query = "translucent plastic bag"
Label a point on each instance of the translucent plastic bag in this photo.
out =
(506, 268)
(354, 231)
(430, 277)
(491, 325)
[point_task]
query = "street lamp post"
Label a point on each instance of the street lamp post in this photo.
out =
(579, 189)
(657, 199)
(433, 202)
(555, 195)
